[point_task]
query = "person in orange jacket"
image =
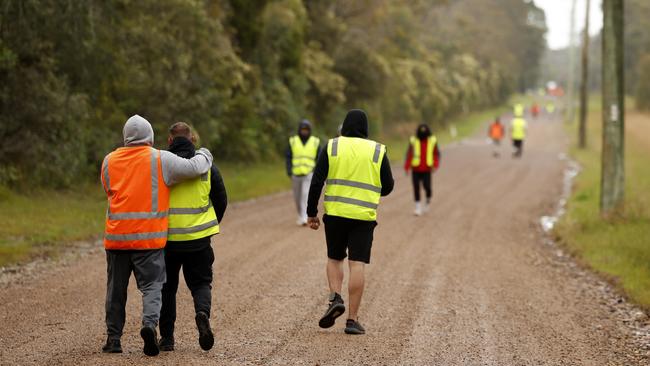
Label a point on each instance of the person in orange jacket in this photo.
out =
(496, 132)
(423, 158)
(136, 179)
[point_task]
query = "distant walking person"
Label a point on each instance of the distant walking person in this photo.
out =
(196, 207)
(357, 173)
(301, 158)
(518, 127)
(423, 157)
(136, 179)
(496, 131)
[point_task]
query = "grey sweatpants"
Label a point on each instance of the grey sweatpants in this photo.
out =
(148, 266)
(300, 185)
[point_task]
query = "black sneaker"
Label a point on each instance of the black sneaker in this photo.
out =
(150, 339)
(166, 344)
(354, 327)
(206, 338)
(112, 346)
(335, 309)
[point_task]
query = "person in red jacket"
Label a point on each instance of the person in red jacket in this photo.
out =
(423, 157)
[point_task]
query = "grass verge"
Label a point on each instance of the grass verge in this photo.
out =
(619, 248)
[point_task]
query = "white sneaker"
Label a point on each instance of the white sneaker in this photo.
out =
(418, 209)
(427, 206)
(301, 222)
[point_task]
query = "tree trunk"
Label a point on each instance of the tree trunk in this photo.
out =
(571, 87)
(613, 163)
(582, 129)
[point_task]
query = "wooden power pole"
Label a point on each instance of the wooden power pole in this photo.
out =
(570, 111)
(613, 164)
(582, 129)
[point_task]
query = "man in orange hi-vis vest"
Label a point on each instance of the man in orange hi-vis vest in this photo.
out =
(496, 133)
(136, 179)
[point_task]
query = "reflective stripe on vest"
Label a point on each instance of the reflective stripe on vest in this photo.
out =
(416, 148)
(303, 156)
(518, 128)
(191, 215)
(138, 199)
(353, 181)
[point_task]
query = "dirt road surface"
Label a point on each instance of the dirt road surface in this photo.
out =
(469, 283)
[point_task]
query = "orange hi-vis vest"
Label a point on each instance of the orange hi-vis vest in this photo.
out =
(496, 131)
(138, 199)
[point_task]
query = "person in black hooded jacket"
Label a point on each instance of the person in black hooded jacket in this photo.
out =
(194, 256)
(347, 237)
(302, 152)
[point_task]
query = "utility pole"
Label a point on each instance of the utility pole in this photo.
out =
(582, 129)
(613, 163)
(570, 112)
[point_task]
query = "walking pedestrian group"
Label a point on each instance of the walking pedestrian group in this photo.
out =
(164, 206)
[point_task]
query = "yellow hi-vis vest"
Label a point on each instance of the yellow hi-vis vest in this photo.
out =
(303, 156)
(353, 180)
(191, 215)
(518, 128)
(416, 148)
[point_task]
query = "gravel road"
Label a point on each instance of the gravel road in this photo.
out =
(472, 282)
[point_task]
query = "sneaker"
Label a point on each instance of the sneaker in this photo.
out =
(112, 346)
(335, 309)
(301, 222)
(354, 327)
(166, 344)
(206, 338)
(150, 339)
(427, 206)
(418, 209)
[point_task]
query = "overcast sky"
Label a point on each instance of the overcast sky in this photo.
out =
(558, 16)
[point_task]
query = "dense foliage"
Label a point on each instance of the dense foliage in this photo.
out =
(243, 71)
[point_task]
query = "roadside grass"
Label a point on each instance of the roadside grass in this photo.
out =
(46, 223)
(617, 248)
(36, 225)
(253, 180)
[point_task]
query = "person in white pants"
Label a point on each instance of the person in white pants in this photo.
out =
(301, 156)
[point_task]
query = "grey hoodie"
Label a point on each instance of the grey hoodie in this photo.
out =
(138, 132)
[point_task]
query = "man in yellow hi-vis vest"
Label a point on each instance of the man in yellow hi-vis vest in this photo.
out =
(195, 209)
(518, 128)
(301, 156)
(357, 173)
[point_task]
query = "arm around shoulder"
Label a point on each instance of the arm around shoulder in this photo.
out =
(177, 169)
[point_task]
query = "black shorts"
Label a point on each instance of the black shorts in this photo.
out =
(517, 143)
(348, 237)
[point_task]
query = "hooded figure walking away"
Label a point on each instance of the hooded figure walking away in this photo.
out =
(302, 152)
(423, 157)
(196, 208)
(137, 179)
(357, 173)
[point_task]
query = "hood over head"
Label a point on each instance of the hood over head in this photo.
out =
(137, 132)
(304, 124)
(423, 131)
(355, 124)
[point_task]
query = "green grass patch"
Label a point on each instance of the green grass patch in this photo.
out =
(249, 181)
(38, 224)
(618, 248)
